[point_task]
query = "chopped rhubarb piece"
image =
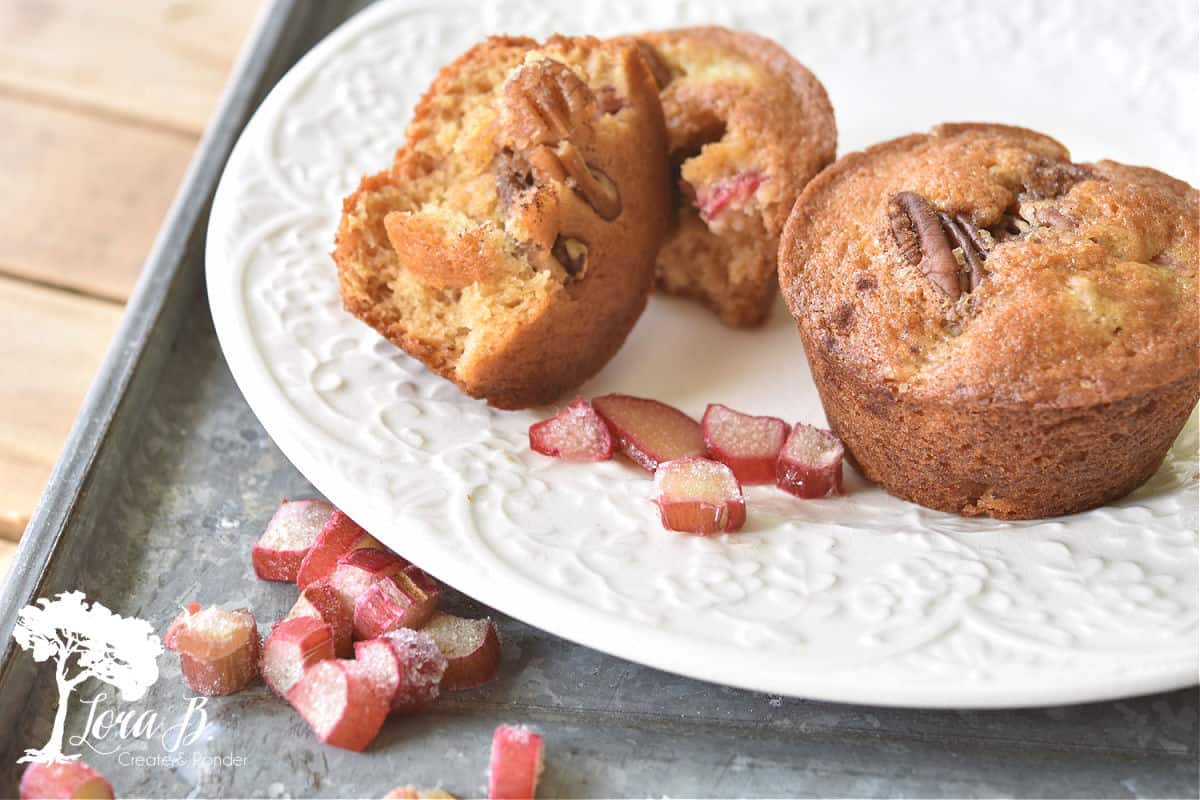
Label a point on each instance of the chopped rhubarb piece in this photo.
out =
(696, 495)
(321, 601)
(574, 434)
(339, 536)
(293, 646)
(747, 445)
(421, 668)
(406, 670)
(714, 198)
(358, 569)
(218, 650)
(471, 648)
(63, 780)
(381, 666)
(289, 536)
(516, 763)
(409, 793)
(341, 703)
(172, 633)
(810, 464)
(405, 600)
(650, 432)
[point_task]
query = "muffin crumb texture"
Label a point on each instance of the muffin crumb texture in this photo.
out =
(510, 245)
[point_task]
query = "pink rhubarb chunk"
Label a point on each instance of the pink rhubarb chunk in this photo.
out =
(697, 495)
(471, 648)
(218, 650)
(339, 536)
(650, 432)
(293, 646)
(714, 198)
(574, 434)
(405, 600)
(422, 666)
(341, 702)
(358, 569)
(63, 780)
(747, 445)
(289, 536)
(516, 763)
(810, 464)
(172, 633)
(319, 600)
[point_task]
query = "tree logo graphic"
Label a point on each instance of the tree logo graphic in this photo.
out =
(86, 641)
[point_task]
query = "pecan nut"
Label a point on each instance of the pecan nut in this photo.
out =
(572, 254)
(565, 164)
(545, 102)
(928, 239)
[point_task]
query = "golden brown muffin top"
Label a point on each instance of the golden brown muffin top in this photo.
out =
(1084, 275)
(737, 103)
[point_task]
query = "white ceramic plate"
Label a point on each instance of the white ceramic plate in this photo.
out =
(861, 599)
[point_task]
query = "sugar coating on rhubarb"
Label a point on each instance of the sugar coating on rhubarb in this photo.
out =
(380, 665)
(421, 668)
(743, 434)
(586, 427)
(214, 631)
(811, 445)
(698, 479)
(294, 645)
(339, 701)
(576, 433)
(218, 650)
(456, 636)
(471, 647)
(296, 524)
(322, 696)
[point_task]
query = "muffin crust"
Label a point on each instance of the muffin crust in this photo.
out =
(1053, 382)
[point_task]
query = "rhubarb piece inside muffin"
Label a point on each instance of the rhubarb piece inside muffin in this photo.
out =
(748, 127)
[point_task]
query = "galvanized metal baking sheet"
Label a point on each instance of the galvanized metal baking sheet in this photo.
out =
(202, 480)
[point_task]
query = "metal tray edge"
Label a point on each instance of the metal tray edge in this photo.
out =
(169, 279)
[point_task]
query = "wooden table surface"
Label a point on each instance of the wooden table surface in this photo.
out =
(102, 105)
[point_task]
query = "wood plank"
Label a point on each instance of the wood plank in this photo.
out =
(84, 196)
(51, 344)
(162, 62)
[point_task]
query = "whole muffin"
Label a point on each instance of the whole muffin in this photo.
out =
(748, 127)
(510, 247)
(994, 329)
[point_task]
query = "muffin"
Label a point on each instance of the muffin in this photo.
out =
(510, 247)
(748, 127)
(994, 329)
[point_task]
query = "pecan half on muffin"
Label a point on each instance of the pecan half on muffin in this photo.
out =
(994, 329)
(511, 245)
(748, 127)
